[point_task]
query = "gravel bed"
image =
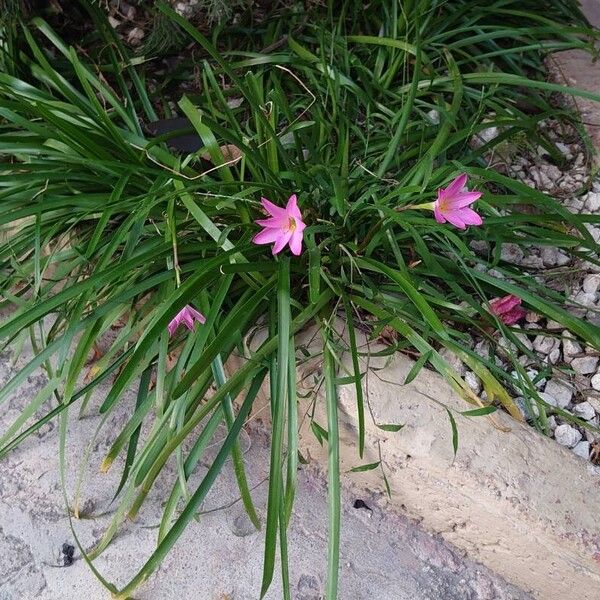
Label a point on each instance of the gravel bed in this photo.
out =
(565, 373)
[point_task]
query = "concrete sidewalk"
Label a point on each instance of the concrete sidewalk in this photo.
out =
(384, 555)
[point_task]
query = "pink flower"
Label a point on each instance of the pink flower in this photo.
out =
(453, 202)
(186, 316)
(508, 309)
(284, 226)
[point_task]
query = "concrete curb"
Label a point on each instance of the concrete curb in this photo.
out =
(515, 501)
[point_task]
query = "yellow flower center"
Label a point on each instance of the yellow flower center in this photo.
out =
(291, 224)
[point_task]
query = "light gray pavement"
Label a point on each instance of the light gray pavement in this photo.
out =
(384, 555)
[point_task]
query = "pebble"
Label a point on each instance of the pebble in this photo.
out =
(523, 408)
(545, 344)
(551, 400)
(559, 390)
(552, 424)
(512, 253)
(549, 256)
(594, 401)
(473, 381)
(453, 360)
(532, 317)
(566, 435)
(554, 356)
(241, 526)
(594, 231)
(564, 150)
(595, 382)
(434, 116)
(591, 283)
(482, 348)
(524, 340)
(553, 325)
(531, 374)
(585, 298)
(507, 345)
(562, 258)
(582, 449)
(592, 202)
(584, 410)
(570, 347)
(584, 365)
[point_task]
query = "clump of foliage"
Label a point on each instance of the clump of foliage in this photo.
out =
(107, 228)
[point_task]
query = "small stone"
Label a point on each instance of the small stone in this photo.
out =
(489, 134)
(552, 424)
(582, 449)
(135, 35)
(571, 348)
(453, 360)
(592, 436)
(592, 202)
(550, 399)
(524, 409)
(531, 374)
(553, 325)
(482, 348)
(564, 150)
(585, 298)
(567, 435)
(591, 283)
(308, 588)
(593, 316)
(595, 382)
(545, 344)
(549, 256)
(512, 253)
(434, 116)
(562, 258)
(524, 340)
(573, 204)
(525, 360)
(241, 526)
(584, 410)
(532, 317)
(507, 345)
(554, 356)
(473, 381)
(594, 231)
(562, 392)
(584, 365)
(594, 401)
(552, 171)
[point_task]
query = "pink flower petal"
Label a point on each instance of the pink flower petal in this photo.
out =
(463, 199)
(187, 317)
(272, 209)
(276, 222)
(470, 217)
(505, 304)
(282, 239)
(439, 217)
(454, 217)
(198, 316)
(292, 207)
(267, 236)
(296, 242)
(456, 186)
(172, 327)
(513, 316)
